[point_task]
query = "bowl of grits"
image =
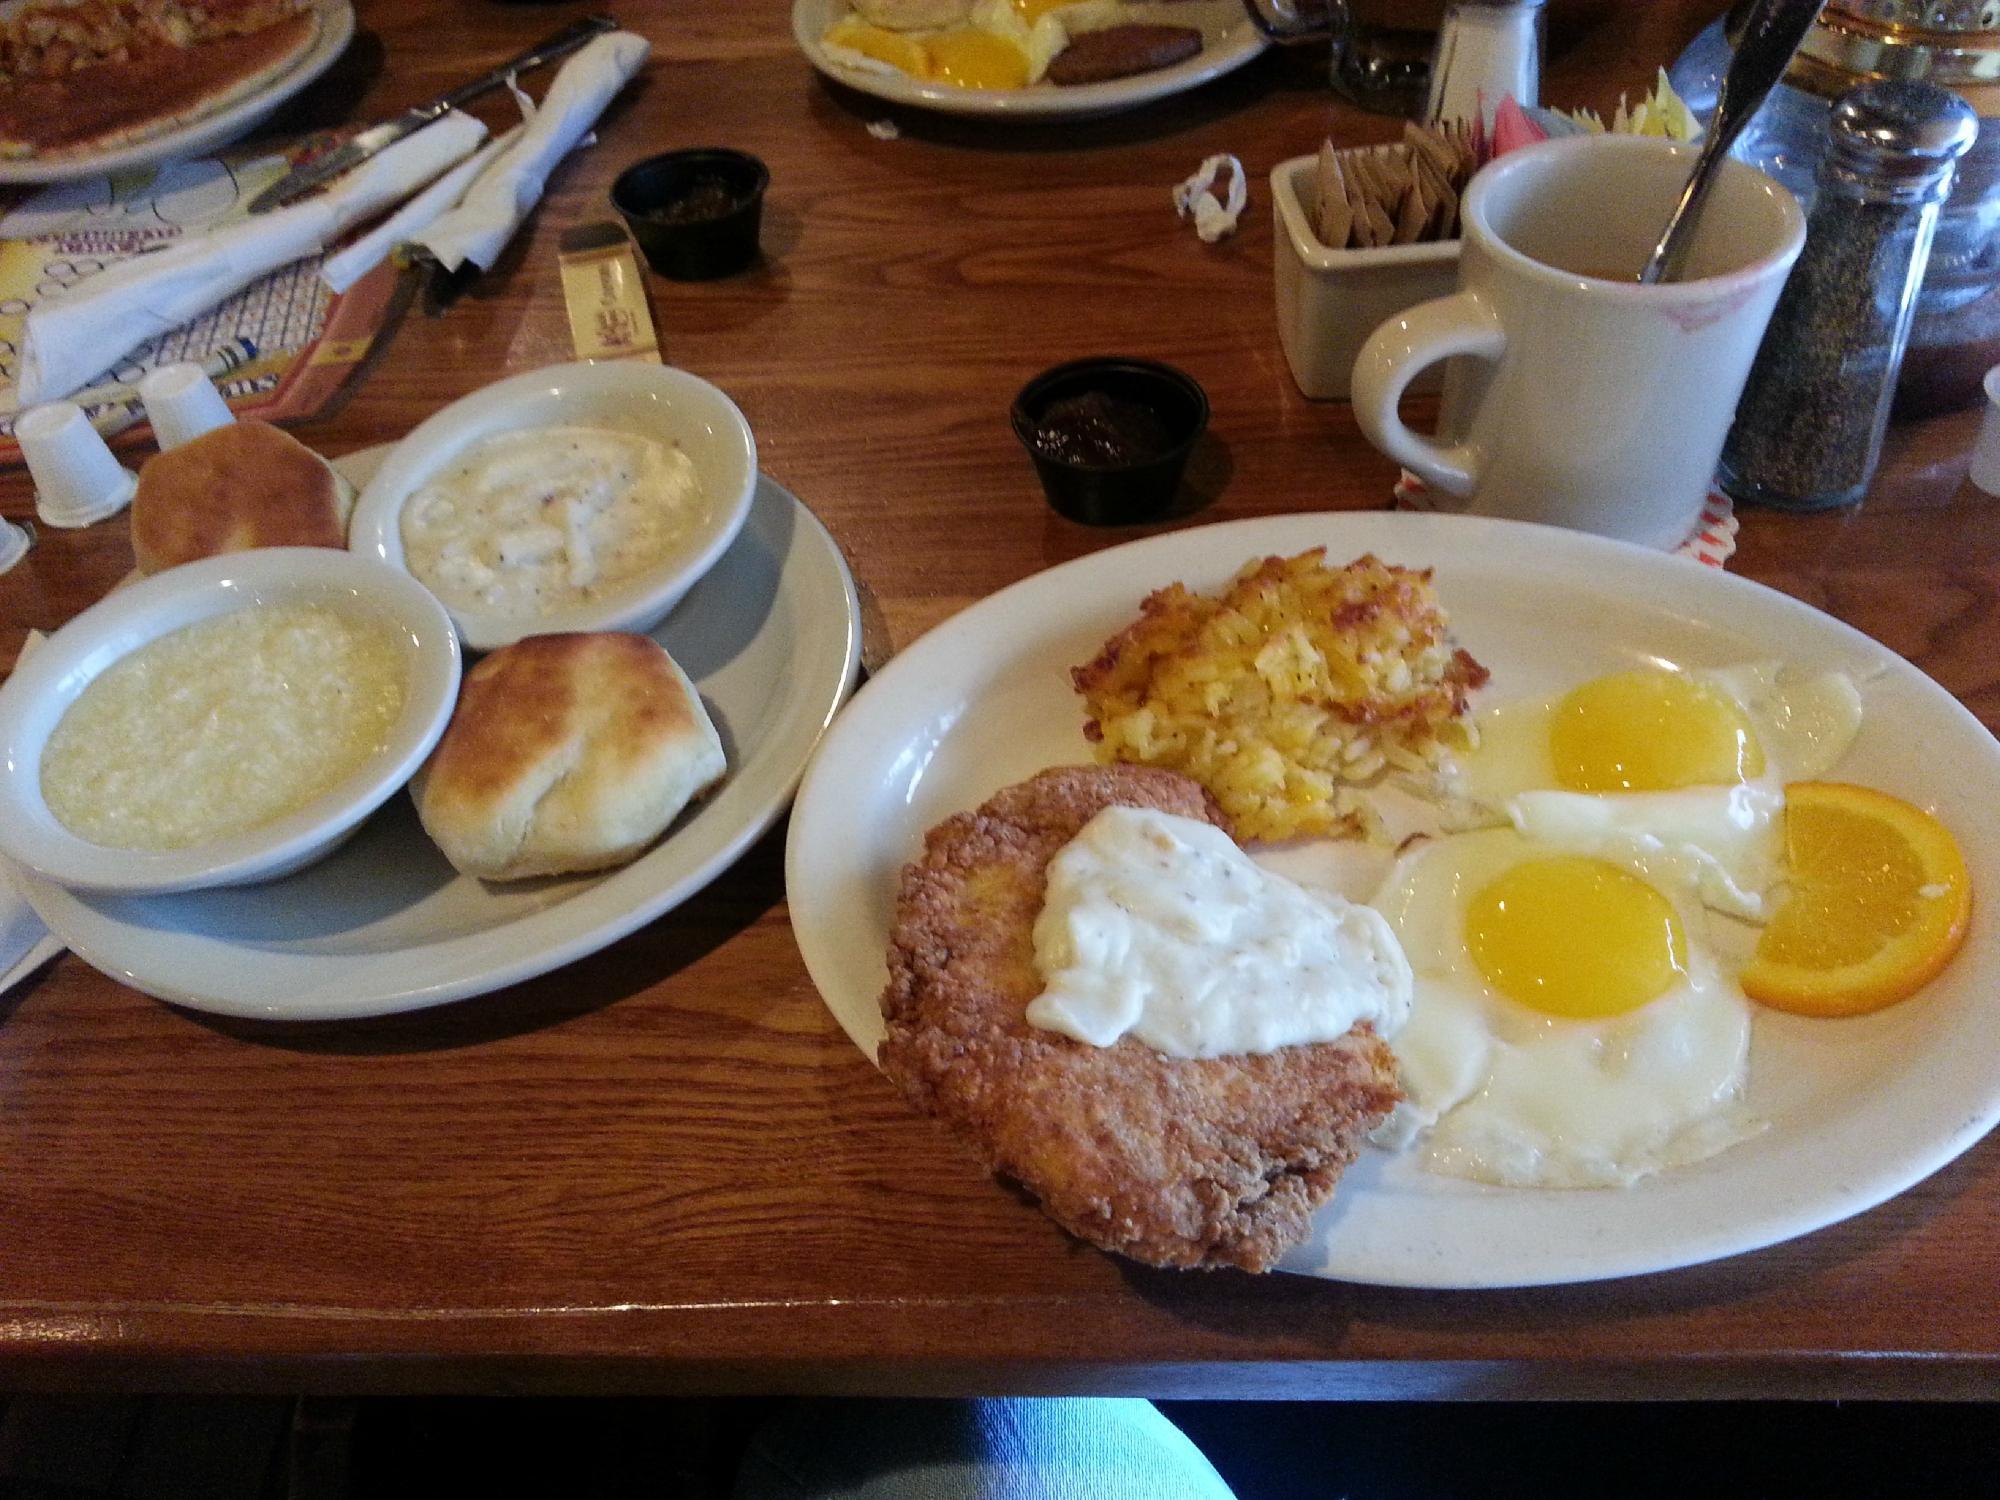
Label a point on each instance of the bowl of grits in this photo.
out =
(580, 497)
(221, 723)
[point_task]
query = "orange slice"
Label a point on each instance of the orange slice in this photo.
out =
(1879, 903)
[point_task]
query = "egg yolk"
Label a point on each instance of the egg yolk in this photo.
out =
(977, 60)
(1575, 937)
(1650, 731)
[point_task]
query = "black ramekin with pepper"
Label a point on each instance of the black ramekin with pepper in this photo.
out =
(695, 214)
(1110, 437)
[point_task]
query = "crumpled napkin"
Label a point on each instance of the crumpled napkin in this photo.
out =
(493, 207)
(70, 338)
(1213, 218)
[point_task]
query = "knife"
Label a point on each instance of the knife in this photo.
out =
(302, 180)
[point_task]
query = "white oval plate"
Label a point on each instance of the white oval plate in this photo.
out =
(1231, 42)
(771, 636)
(1860, 1109)
(225, 125)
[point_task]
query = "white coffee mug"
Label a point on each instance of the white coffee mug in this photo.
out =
(1587, 401)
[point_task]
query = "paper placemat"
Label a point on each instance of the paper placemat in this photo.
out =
(308, 341)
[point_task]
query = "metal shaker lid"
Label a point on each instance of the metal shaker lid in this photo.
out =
(1896, 142)
(1897, 120)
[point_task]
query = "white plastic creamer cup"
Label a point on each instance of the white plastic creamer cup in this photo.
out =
(77, 479)
(182, 403)
(1984, 468)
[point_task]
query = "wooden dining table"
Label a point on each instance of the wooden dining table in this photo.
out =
(664, 1167)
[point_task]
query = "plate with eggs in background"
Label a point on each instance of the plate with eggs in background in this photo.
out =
(1771, 1123)
(1001, 59)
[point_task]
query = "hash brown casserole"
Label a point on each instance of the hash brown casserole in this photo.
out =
(1296, 685)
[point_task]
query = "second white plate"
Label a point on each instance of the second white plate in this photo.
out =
(1231, 41)
(1860, 1109)
(772, 638)
(231, 122)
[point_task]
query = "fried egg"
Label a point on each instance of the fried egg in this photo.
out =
(999, 44)
(1659, 760)
(1572, 1026)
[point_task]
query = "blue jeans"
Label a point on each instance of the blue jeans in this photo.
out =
(1057, 1448)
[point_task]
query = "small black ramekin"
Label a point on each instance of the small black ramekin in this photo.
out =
(1115, 494)
(693, 249)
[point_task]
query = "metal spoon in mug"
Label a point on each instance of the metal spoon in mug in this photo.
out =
(1771, 34)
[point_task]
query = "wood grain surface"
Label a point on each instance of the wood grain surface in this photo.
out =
(664, 1167)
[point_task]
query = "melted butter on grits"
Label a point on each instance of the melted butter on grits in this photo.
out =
(224, 726)
(528, 523)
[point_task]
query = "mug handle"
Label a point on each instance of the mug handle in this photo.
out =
(1402, 349)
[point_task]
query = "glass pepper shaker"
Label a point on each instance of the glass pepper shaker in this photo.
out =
(1809, 428)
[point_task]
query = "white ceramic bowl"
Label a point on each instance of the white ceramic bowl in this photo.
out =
(55, 674)
(654, 401)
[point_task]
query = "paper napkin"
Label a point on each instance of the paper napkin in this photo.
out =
(354, 261)
(493, 207)
(25, 944)
(70, 338)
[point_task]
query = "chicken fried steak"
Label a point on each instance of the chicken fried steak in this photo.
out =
(1176, 1162)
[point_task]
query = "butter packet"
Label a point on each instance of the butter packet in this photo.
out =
(1662, 112)
(605, 294)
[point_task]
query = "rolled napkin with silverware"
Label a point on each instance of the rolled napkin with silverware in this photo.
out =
(353, 261)
(482, 223)
(70, 338)
(322, 169)
(564, 116)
